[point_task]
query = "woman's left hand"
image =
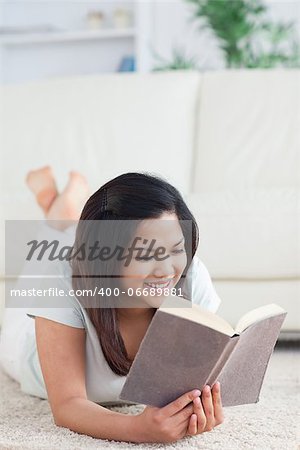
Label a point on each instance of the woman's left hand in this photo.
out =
(208, 411)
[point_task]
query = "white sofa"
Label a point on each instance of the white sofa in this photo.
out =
(229, 140)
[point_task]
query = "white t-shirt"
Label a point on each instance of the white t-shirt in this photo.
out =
(102, 384)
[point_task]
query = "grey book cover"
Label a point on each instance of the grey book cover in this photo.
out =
(178, 354)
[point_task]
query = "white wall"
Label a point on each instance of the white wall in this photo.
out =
(28, 62)
(64, 14)
(32, 62)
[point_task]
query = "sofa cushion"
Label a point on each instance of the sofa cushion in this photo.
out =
(101, 125)
(250, 233)
(248, 133)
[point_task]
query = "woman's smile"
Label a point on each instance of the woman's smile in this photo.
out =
(159, 284)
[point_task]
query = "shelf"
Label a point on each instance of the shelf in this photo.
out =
(65, 36)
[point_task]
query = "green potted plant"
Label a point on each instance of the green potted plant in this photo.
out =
(245, 35)
(178, 61)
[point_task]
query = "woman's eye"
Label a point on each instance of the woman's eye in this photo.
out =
(148, 258)
(179, 251)
(143, 258)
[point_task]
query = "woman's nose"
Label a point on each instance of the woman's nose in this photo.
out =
(164, 269)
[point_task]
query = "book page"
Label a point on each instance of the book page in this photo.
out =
(242, 375)
(188, 310)
(258, 314)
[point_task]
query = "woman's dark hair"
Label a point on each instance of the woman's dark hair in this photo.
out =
(135, 196)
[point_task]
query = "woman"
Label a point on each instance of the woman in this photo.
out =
(78, 355)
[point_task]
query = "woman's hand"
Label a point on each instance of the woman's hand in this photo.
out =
(166, 424)
(208, 412)
(184, 416)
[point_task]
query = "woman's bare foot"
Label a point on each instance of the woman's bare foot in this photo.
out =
(41, 182)
(68, 205)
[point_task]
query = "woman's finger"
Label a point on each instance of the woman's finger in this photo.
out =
(208, 408)
(179, 404)
(201, 419)
(183, 416)
(217, 403)
(192, 427)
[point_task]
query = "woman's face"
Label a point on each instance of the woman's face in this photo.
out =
(158, 271)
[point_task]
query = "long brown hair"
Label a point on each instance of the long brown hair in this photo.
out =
(134, 196)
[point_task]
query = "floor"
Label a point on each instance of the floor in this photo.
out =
(26, 422)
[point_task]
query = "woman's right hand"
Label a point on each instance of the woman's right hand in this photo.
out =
(176, 420)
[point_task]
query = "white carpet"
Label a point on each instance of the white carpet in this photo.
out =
(26, 422)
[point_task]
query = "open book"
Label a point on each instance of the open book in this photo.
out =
(186, 347)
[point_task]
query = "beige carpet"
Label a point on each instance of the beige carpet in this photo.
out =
(26, 422)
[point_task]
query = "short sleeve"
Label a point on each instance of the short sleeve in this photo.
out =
(199, 288)
(66, 316)
(64, 309)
